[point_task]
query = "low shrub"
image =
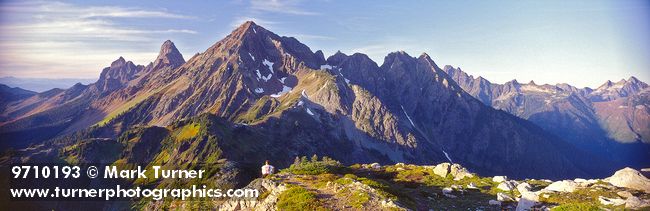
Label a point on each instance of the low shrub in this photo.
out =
(298, 198)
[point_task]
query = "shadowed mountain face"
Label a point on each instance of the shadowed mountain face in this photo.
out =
(597, 119)
(296, 102)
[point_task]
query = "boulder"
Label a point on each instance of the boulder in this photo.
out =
(630, 178)
(610, 201)
(472, 186)
(584, 182)
(494, 202)
(375, 166)
(459, 172)
(507, 185)
(562, 186)
(524, 187)
(527, 201)
(447, 190)
(504, 197)
(442, 169)
(636, 203)
(624, 194)
(499, 178)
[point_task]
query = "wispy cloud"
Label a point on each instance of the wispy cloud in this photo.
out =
(87, 11)
(280, 6)
(54, 37)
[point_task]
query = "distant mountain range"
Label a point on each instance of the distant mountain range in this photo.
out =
(620, 109)
(43, 84)
(255, 95)
(597, 119)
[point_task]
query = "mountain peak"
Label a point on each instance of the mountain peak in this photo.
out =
(633, 79)
(247, 27)
(118, 62)
(425, 55)
(397, 55)
(169, 55)
(248, 24)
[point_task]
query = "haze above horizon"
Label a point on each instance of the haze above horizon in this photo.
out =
(583, 43)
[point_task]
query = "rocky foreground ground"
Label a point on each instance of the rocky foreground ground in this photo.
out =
(325, 185)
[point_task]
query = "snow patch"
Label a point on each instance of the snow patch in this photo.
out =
(269, 64)
(282, 79)
(309, 112)
(259, 90)
(408, 117)
(267, 77)
(259, 75)
(254, 30)
(251, 55)
(344, 78)
(304, 94)
(285, 89)
(447, 155)
(325, 67)
(300, 103)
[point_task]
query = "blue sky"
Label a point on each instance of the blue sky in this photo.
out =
(583, 43)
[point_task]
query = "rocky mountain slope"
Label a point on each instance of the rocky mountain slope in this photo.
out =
(347, 107)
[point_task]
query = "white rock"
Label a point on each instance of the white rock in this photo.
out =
(447, 190)
(579, 180)
(624, 194)
(504, 197)
(630, 178)
(610, 201)
(562, 186)
(523, 187)
(507, 185)
(459, 172)
(527, 200)
(494, 202)
(636, 203)
(499, 178)
(584, 183)
(442, 169)
(473, 186)
(375, 166)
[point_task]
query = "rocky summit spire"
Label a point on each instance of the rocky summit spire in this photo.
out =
(169, 55)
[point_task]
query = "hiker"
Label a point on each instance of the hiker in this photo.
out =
(267, 169)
